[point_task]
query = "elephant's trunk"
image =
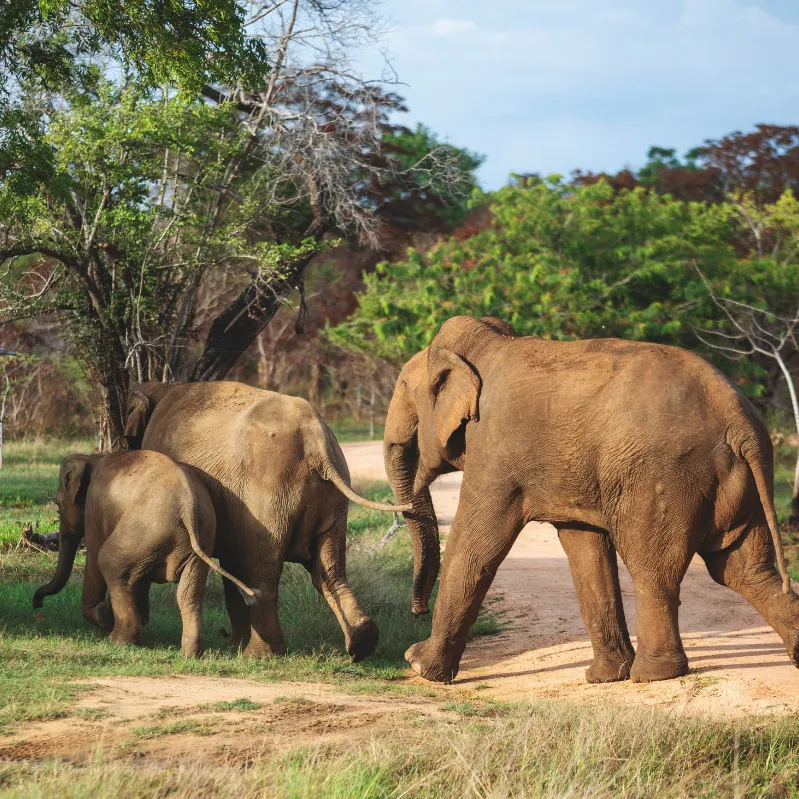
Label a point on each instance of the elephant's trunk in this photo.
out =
(66, 558)
(422, 523)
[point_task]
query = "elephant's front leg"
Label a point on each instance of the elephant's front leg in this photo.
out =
(592, 561)
(483, 531)
(95, 609)
(329, 576)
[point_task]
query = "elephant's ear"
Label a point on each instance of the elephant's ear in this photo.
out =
(75, 477)
(139, 410)
(455, 386)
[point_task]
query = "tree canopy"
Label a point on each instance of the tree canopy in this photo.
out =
(563, 262)
(48, 43)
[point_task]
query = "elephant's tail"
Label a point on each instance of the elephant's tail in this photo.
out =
(330, 473)
(755, 466)
(327, 448)
(250, 595)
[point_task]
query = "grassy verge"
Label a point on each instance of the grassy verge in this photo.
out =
(28, 483)
(43, 655)
(349, 431)
(542, 749)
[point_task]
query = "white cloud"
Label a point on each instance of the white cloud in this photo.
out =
(551, 85)
(699, 13)
(448, 27)
(706, 12)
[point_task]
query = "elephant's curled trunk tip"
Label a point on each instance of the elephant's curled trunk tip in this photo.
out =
(251, 595)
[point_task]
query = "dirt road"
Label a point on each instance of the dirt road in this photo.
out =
(738, 664)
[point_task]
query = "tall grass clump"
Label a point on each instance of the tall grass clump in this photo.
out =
(545, 749)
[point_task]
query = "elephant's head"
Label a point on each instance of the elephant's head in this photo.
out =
(141, 403)
(437, 395)
(71, 500)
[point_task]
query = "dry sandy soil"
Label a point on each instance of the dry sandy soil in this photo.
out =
(738, 666)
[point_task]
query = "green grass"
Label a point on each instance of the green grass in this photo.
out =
(242, 705)
(150, 731)
(541, 749)
(43, 657)
(349, 431)
(28, 482)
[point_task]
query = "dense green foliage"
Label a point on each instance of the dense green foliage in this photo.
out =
(563, 262)
(47, 42)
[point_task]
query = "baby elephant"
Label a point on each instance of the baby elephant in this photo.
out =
(145, 520)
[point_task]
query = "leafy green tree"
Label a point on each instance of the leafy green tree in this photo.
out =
(559, 262)
(48, 42)
(114, 233)
(759, 300)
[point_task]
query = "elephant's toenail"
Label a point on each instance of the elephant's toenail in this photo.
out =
(417, 667)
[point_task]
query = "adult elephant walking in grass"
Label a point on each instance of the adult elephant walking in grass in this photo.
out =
(279, 484)
(631, 447)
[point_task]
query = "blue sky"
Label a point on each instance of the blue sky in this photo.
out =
(551, 85)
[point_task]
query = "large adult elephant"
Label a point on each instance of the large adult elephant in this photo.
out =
(279, 484)
(638, 448)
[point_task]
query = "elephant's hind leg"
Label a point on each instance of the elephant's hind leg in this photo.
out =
(592, 561)
(237, 610)
(748, 568)
(266, 637)
(329, 576)
(127, 623)
(659, 653)
(191, 589)
(123, 596)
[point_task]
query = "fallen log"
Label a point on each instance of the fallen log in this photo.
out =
(42, 542)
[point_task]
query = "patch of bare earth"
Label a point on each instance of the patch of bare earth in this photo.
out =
(168, 718)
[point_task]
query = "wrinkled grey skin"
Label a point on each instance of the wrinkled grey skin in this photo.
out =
(279, 484)
(145, 520)
(631, 447)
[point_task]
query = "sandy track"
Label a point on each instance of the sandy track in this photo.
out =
(738, 663)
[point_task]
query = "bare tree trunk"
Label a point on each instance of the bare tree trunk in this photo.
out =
(6, 390)
(235, 329)
(372, 412)
(112, 388)
(313, 388)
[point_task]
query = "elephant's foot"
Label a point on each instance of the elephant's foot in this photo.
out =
(261, 649)
(610, 667)
(435, 662)
(651, 668)
(191, 648)
(123, 638)
(363, 640)
(792, 646)
(240, 638)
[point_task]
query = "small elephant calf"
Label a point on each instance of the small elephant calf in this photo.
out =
(145, 519)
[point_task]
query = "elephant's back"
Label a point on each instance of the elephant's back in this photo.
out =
(245, 444)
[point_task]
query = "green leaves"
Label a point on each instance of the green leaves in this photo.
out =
(569, 262)
(183, 43)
